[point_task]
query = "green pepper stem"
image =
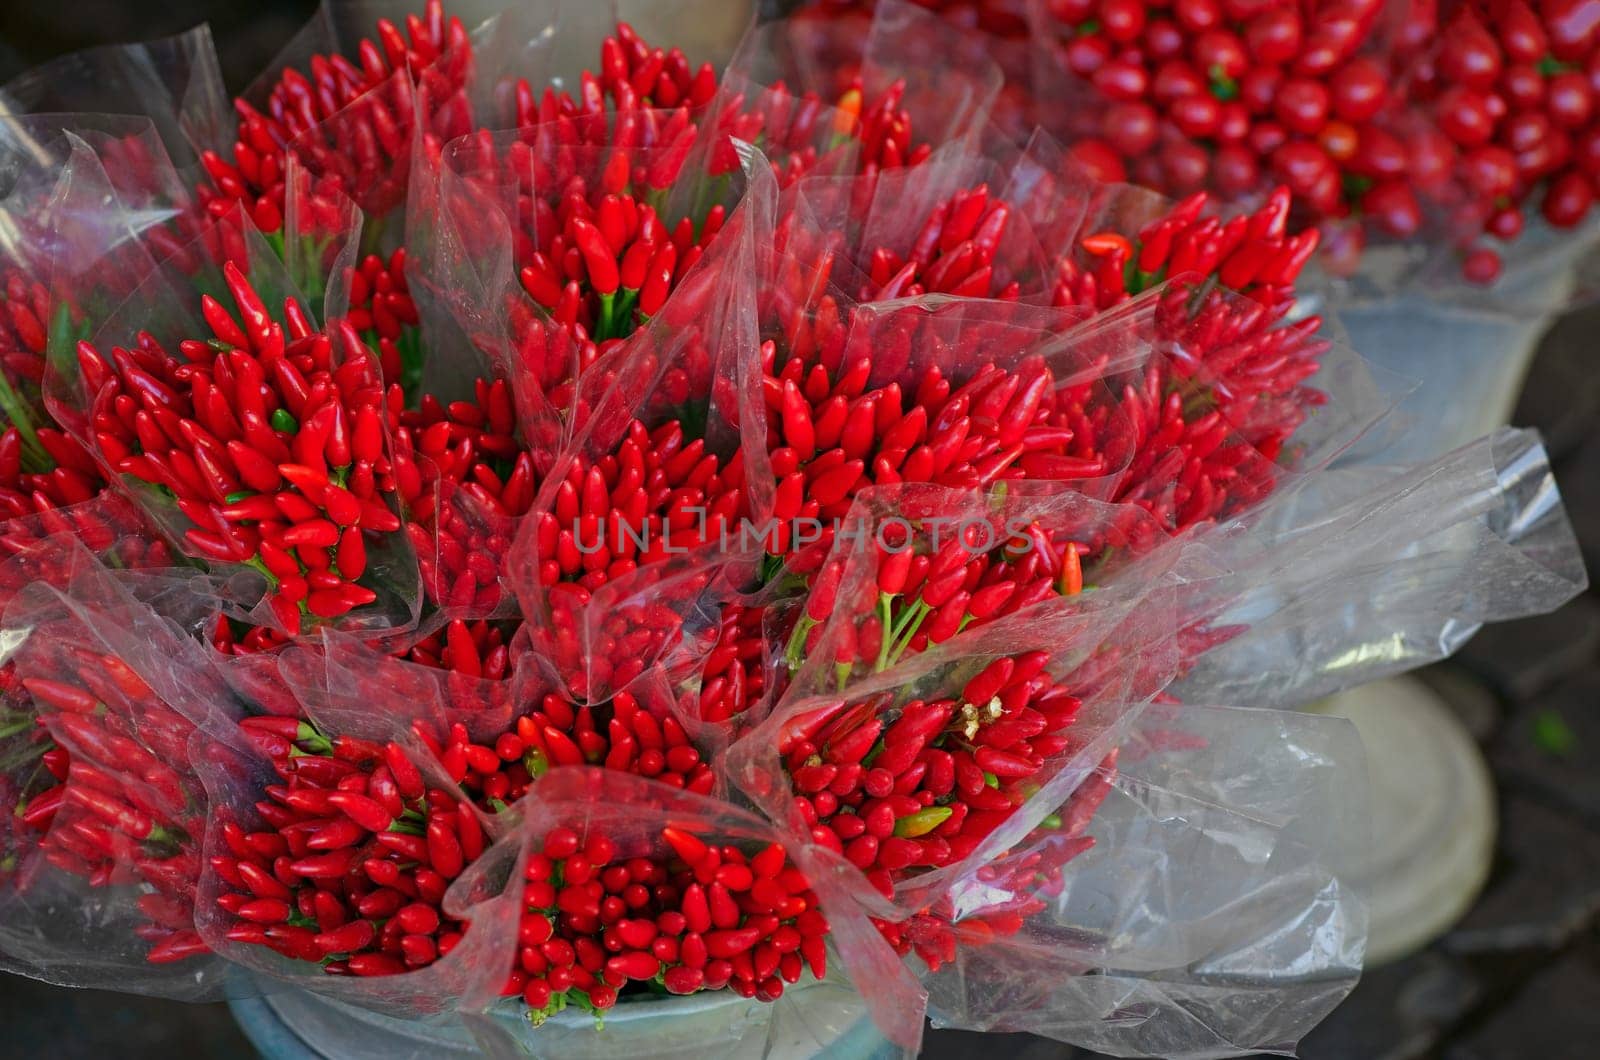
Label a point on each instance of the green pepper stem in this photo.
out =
(911, 621)
(886, 616)
(34, 457)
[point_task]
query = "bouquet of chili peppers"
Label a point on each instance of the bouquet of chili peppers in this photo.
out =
(483, 541)
(1458, 136)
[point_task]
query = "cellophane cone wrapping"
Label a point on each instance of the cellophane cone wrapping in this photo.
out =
(632, 812)
(236, 773)
(149, 302)
(692, 365)
(175, 82)
(1111, 655)
(116, 692)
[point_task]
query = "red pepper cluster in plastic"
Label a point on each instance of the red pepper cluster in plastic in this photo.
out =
(319, 457)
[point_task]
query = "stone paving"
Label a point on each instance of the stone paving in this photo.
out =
(1519, 977)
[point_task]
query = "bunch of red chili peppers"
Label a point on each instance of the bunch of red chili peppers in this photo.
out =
(1449, 121)
(506, 539)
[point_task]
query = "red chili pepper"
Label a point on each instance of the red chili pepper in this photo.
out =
(541, 281)
(57, 761)
(688, 847)
(853, 746)
(348, 938)
(362, 810)
(599, 261)
(988, 682)
(331, 865)
(337, 835)
(636, 265)
(133, 823)
(726, 944)
(635, 965)
(834, 485)
(60, 695)
(351, 558)
(658, 280)
(561, 749)
(179, 946)
(261, 883)
(372, 964)
(444, 848)
(725, 911)
(256, 321)
(39, 810)
(313, 533)
(1003, 763)
(470, 831)
(265, 911)
(408, 846)
(292, 729)
(406, 775)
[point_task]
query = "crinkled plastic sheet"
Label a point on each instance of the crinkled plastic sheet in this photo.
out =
(696, 353)
(1213, 914)
(85, 633)
(146, 293)
(1367, 572)
(1222, 851)
(175, 82)
(631, 812)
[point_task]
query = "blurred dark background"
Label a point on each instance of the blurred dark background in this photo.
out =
(1519, 977)
(248, 34)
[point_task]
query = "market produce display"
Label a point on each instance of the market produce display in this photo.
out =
(487, 539)
(1449, 123)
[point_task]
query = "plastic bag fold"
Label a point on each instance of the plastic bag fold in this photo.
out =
(104, 695)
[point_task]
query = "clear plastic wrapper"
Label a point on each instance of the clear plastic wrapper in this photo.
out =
(1177, 401)
(331, 681)
(519, 43)
(1079, 673)
(945, 84)
(252, 773)
(834, 99)
(630, 816)
(446, 723)
(176, 82)
(877, 225)
(914, 567)
(106, 788)
(495, 218)
(1472, 537)
(353, 124)
(497, 226)
(674, 395)
(276, 944)
(1030, 891)
(101, 185)
(1215, 953)
(186, 478)
(108, 525)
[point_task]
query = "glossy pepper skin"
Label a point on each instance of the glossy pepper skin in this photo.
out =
(1386, 116)
(255, 443)
(297, 449)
